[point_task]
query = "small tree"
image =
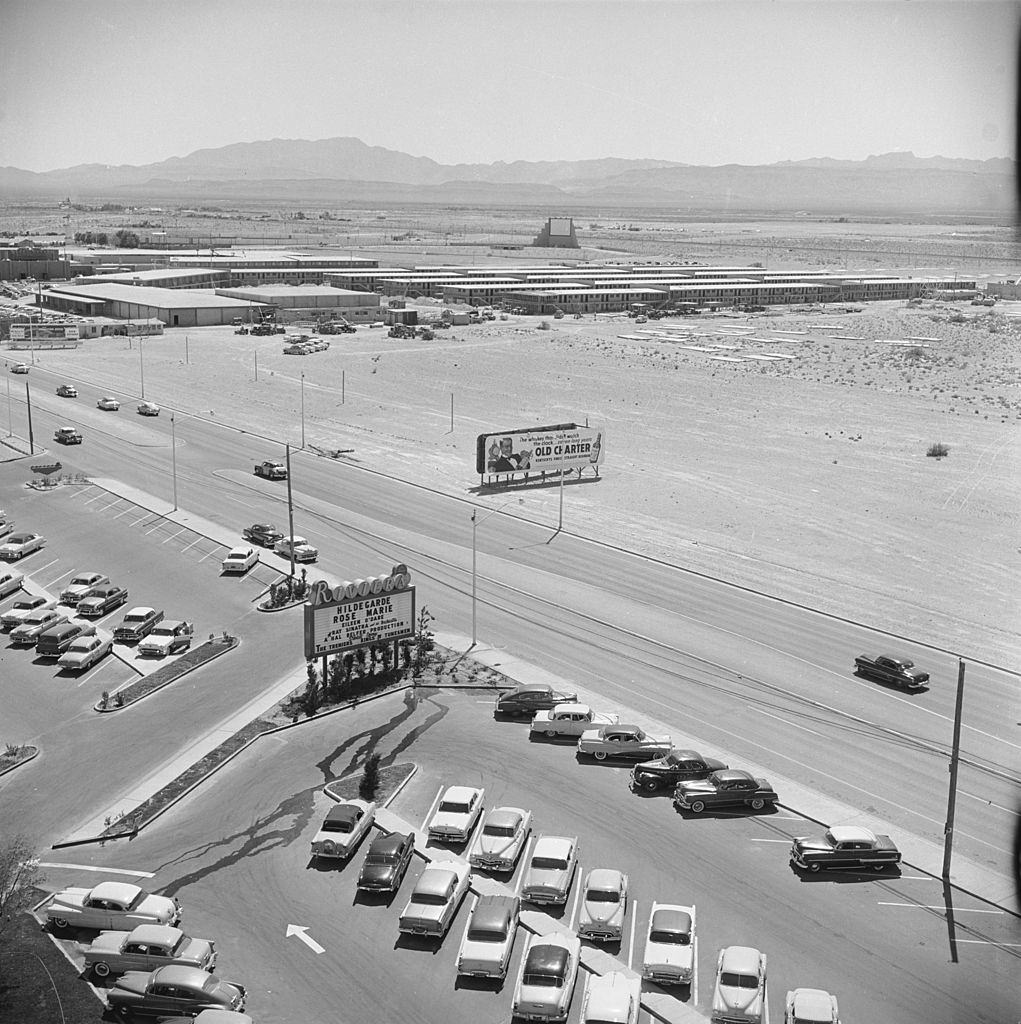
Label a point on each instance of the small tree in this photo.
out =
(425, 641)
(370, 778)
(312, 698)
(19, 879)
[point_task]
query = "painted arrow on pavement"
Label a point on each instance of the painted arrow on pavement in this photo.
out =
(300, 930)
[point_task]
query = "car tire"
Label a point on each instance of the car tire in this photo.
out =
(599, 755)
(551, 733)
(697, 806)
(101, 969)
(814, 867)
(59, 922)
(757, 804)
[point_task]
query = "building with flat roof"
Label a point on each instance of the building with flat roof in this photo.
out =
(177, 277)
(358, 307)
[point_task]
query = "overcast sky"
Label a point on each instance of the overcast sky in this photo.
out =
(137, 81)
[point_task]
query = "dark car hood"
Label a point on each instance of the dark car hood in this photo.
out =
(134, 982)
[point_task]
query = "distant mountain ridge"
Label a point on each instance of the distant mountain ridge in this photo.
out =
(347, 167)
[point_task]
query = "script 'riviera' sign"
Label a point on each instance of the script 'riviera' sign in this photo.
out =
(379, 609)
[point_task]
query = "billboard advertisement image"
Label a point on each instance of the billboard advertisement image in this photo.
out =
(538, 450)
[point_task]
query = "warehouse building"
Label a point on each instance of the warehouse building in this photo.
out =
(358, 307)
(178, 277)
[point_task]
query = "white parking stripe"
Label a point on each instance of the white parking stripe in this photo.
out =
(207, 554)
(576, 902)
(192, 544)
(694, 972)
(89, 867)
(39, 568)
(432, 808)
(940, 906)
(60, 577)
(184, 529)
(631, 941)
(125, 511)
(768, 840)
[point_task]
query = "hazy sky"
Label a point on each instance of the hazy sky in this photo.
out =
(136, 81)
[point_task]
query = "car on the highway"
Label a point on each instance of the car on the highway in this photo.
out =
(549, 970)
(669, 957)
(10, 582)
(18, 545)
(529, 698)
(84, 652)
(239, 560)
(22, 608)
(810, 1006)
(20, 368)
(622, 741)
(603, 905)
(170, 636)
(459, 811)
(435, 898)
(303, 551)
(343, 828)
(67, 435)
(79, 585)
(489, 937)
(740, 993)
(262, 533)
(729, 788)
(108, 404)
(550, 870)
(67, 391)
(173, 990)
(137, 624)
(149, 409)
(664, 773)
(111, 905)
(844, 846)
(889, 669)
(569, 720)
(613, 998)
(37, 621)
(146, 948)
(501, 839)
(100, 600)
(386, 862)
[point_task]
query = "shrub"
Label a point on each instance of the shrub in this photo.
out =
(938, 450)
(370, 778)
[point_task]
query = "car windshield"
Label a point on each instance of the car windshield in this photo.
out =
(498, 830)
(670, 938)
(485, 935)
(602, 896)
(451, 807)
(24, 605)
(434, 899)
(80, 581)
(732, 980)
(381, 858)
(163, 631)
(544, 980)
(549, 864)
(338, 826)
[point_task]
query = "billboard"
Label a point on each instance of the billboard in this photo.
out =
(44, 332)
(380, 609)
(540, 450)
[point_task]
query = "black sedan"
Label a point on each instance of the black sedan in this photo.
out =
(677, 766)
(532, 697)
(262, 533)
(98, 601)
(724, 789)
(173, 990)
(386, 862)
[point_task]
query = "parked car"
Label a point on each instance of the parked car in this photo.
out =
(67, 435)
(670, 945)
(262, 533)
(810, 1006)
(137, 624)
(146, 948)
(459, 811)
(37, 621)
(239, 560)
(22, 608)
(549, 970)
(343, 828)
(303, 551)
(84, 652)
(212, 1016)
(501, 839)
(529, 698)
(56, 639)
(118, 905)
(108, 404)
(489, 937)
(550, 870)
(170, 636)
(740, 993)
(386, 862)
(435, 899)
(19, 368)
(724, 789)
(613, 998)
(888, 669)
(569, 720)
(173, 990)
(844, 846)
(149, 409)
(100, 600)
(622, 741)
(10, 582)
(20, 544)
(6, 526)
(603, 905)
(67, 391)
(80, 583)
(664, 773)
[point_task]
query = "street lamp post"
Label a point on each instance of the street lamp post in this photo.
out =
(141, 366)
(173, 456)
(303, 411)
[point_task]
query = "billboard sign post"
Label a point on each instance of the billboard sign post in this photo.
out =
(558, 449)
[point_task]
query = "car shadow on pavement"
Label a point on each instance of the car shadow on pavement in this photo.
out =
(425, 943)
(721, 813)
(478, 984)
(845, 876)
(373, 899)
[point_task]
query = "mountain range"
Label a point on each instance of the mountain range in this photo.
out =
(346, 169)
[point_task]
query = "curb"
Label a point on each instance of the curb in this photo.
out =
(18, 764)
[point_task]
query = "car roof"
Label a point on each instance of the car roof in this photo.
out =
(741, 959)
(851, 834)
(241, 552)
(812, 1004)
(493, 911)
(437, 878)
(508, 817)
(122, 892)
(526, 688)
(159, 934)
(553, 845)
(671, 919)
(571, 708)
(349, 813)
(547, 958)
(460, 793)
(614, 991)
(605, 879)
(389, 843)
(179, 974)
(732, 775)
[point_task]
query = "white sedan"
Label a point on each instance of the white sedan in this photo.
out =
(603, 905)
(459, 810)
(549, 970)
(614, 998)
(498, 845)
(303, 551)
(108, 404)
(10, 582)
(84, 652)
(148, 409)
(435, 899)
(489, 937)
(670, 945)
(80, 584)
(343, 828)
(239, 560)
(20, 544)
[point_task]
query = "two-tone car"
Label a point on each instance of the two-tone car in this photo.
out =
(739, 996)
(85, 651)
(169, 636)
(149, 409)
(435, 898)
(20, 368)
(68, 435)
(810, 1006)
(603, 905)
(10, 582)
(613, 998)
(549, 970)
(173, 990)
(79, 585)
(489, 937)
(299, 546)
(67, 391)
(844, 846)
(525, 700)
(111, 906)
(108, 404)
(18, 545)
(22, 608)
(622, 742)
(550, 870)
(503, 836)
(569, 720)
(146, 948)
(136, 625)
(6, 525)
(239, 560)
(36, 622)
(458, 812)
(343, 828)
(262, 533)
(730, 788)
(663, 773)
(669, 957)
(386, 862)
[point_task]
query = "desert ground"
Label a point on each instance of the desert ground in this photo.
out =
(805, 477)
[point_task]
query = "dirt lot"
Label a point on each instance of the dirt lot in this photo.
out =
(806, 477)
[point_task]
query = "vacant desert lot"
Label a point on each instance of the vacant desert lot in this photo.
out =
(806, 476)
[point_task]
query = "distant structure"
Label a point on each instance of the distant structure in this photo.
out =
(558, 233)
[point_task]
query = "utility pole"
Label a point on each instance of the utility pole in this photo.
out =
(290, 509)
(28, 403)
(955, 755)
(173, 456)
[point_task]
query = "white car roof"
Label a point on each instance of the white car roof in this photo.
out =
(851, 834)
(122, 892)
(460, 794)
(553, 846)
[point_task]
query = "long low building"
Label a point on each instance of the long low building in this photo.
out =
(358, 307)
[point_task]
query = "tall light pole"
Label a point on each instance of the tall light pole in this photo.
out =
(475, 578)
(10, 415)
(173, 456)
(303, 411)
(141, 366)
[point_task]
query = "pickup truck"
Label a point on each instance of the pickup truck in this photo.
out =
(271, 470)
(899, 671)
(137, 624)
(67, 435)
(844, 847)
(569, 720)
